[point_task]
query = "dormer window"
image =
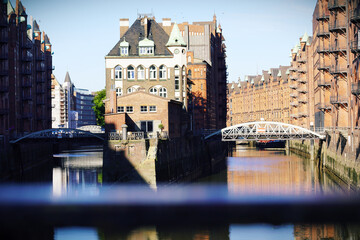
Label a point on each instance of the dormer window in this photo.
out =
(146, 47)
(124, 48)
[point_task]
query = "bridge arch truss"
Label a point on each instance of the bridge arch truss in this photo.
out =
(59, 133)
(263, 130)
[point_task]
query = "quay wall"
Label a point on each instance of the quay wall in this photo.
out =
(338, 153)
(155, 161)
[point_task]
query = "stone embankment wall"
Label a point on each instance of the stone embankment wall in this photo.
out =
(338, 153)
(154, 161)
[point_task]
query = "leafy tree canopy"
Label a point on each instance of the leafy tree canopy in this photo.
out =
(99, 107)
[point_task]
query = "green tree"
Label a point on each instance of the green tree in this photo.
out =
(99, 107)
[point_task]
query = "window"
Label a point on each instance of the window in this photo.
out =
(152, 108)
(146, 126)
(146, 50)
(118, 91)
(162, 92)
(152, 72)
(131, 90)
(176, 68)
(140, 72)
(118, 73)
(162, 72)
(129, 109)
(120, 109)
(153, 90)
(143, 108)
(177, 83)
(131, 72)
(124, 51)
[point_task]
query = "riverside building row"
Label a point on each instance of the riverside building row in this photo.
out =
(323, 77)
(166, 74)
(25, 74)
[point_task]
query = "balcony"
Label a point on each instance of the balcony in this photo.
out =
(294, 104)
(354, 46)
(337, 26)
(337, 48)
(303, 114)
(355, 15)
(324, 67)
(302, 90)
(4, 88)
(301, 60)
(337, 100)
(303, 100)
(26, 58)
(26, 71)
(294, 116)
(302, 70)
(322, 17)
(294, 78)
(323, 83)
(324, 107)
(26, 84)
(323, 34)
(336, 69)
(26, 97)
(293, 86)
(302, 80)
(4, 111)
(27, 45)
(40, 57)
(26, 115)
(355, 88)
(322, 49)
(336, 4)
(292, 69)
(293, 95)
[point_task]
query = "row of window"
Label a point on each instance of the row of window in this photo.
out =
(130, 109)
(160, 91)
(141, 72)
(142, 51)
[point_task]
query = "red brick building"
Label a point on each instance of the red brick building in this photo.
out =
(25, 73)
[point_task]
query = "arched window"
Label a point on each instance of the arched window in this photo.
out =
(118, 73)
(118, 91)
(140, 72)
(133, 89)
(162, 92)
(130, 72)
(152, 72)
(176, 68)
(189, 73)
(153, 90)
(162, 72)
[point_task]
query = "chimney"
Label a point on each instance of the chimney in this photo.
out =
(166, 22)
(124, 26)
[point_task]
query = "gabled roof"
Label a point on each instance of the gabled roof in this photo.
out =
(305, 38)
(36, 27)
(22, 9)
(136, 33)
(124, 43)
(10, 8)
(175, 38)
(46, 40)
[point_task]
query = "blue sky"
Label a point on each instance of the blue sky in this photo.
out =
(259, 34)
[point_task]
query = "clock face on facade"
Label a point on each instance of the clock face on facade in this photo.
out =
(176, 51)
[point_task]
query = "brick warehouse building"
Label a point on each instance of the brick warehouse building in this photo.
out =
(25, 74)
(154, 58)
(324, 74)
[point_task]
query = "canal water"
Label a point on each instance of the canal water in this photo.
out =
(249, 172)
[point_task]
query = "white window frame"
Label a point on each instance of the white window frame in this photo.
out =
(153, 72)
(152, 108)
(141, 72)
(153, 90)
(177, 83)
(118, 73)
(130, 73)
(143, 109)
(163, 92)
(120, 109)
(162, 72)
(124, 51)
(119, 91)
(129, 109)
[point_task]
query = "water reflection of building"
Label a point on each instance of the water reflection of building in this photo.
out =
(77, 172)
(270, 172)
(314, 232)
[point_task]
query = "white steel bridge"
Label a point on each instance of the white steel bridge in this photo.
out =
(263, 130)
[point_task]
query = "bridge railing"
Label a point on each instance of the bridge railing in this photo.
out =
(138, 135)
